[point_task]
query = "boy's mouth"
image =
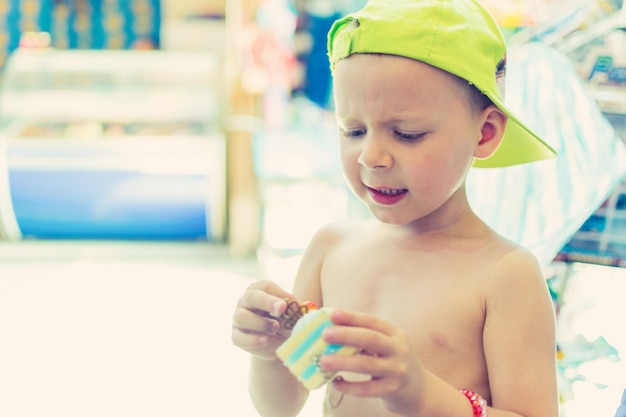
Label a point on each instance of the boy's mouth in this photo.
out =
(387, 195)
(390, 191)
(387, 191)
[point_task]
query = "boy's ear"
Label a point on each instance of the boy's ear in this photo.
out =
(492, 130)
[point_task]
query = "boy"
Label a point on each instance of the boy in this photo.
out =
(451, 319)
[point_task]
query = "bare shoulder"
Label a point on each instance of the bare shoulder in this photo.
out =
(515, 267)
(338, 231)
(323, 242)
(336, 234)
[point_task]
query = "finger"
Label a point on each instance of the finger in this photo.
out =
(360, 364)
(262, 346)
(357, 319)
(270, 287)
(249, 322)
(248, 341)
(265, 297)
(371, 388)
(364, 339)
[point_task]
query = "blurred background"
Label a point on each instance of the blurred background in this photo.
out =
(158, 156)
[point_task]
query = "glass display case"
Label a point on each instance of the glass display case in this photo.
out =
(598, 52)
(111, 144)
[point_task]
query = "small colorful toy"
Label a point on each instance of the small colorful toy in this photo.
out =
(300, 353)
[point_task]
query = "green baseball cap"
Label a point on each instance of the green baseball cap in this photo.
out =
(457, 36)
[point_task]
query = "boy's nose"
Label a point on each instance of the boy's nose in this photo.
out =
(374, 155)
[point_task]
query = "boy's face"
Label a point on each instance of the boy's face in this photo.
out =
(407, 135)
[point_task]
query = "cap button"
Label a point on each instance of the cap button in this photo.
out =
(343, 44)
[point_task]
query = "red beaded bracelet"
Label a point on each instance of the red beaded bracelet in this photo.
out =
(479, 405)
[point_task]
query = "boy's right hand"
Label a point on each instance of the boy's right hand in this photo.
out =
(256, 321)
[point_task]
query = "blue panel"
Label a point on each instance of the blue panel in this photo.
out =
(12, 25)
(44, 20)
(98, 34)
(109, 204)
(94, 33)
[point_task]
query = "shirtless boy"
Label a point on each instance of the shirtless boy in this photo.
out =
(440, 306)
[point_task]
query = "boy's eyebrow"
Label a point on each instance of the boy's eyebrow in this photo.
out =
(345, 116)
(391, 120)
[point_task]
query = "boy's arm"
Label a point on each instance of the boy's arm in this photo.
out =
(519, 339)
(256, 329)
(274, 391)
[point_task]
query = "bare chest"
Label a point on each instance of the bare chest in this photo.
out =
(435, 298)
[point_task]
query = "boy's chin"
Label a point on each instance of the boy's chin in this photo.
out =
(391, 220)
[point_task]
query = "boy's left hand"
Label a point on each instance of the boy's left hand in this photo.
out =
(396, 374)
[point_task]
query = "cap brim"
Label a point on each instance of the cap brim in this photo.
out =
(519, 144)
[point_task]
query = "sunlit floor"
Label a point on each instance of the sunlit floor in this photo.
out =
(116, 329)
(121, 329)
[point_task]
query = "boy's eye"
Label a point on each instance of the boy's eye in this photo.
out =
(409, 137)
(352, 133)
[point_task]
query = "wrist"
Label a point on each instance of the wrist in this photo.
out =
(479, 405)
(266, 360)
